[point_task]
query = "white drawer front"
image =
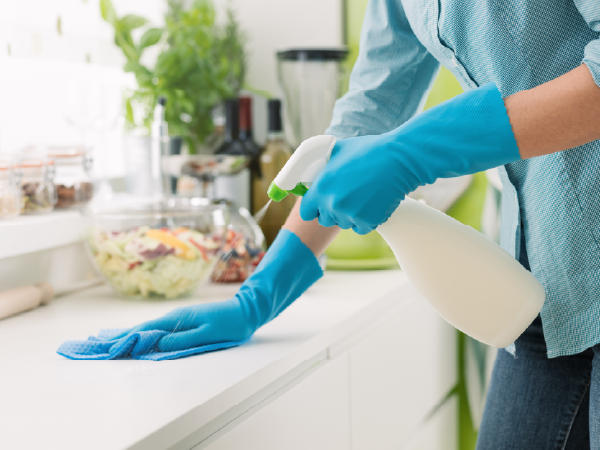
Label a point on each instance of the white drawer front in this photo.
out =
(312, 415)
(398, 374)
(440, 432)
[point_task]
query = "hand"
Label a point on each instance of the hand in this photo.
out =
(286, 271)
(198, 325)
(367, 177)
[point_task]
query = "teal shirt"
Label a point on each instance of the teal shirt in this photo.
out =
(517, 44)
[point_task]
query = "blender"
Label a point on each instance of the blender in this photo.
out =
(310, 79)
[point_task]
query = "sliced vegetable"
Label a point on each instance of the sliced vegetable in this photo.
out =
(166, 238)
(154, 263)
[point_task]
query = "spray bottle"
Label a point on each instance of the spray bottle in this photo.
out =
(469, 280)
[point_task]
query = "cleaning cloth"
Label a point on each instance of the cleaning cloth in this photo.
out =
(138, 345)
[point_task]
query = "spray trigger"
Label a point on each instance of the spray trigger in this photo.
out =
(277, 194)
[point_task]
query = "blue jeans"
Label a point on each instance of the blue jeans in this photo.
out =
(536, 403)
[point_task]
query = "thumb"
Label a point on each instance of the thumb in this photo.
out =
(309, 207)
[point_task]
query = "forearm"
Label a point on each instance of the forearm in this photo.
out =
(313, 235)
(557, 115)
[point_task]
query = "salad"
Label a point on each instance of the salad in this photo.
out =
(154, 262)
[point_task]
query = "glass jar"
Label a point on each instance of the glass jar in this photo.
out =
(37, 188)
(243, 249)
(10, 187)
(72, 181)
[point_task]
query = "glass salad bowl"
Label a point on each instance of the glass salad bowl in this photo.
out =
(163, 250)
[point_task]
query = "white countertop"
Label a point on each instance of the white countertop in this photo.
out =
(47, 401)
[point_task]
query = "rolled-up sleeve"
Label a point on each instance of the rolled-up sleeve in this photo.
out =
(590, 11)
(390, 79)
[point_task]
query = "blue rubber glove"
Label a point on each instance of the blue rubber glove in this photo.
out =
(286, 271)
(367, 177)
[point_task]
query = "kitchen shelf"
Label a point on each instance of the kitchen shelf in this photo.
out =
(28, 234)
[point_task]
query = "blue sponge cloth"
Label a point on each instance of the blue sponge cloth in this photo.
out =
(139, 345)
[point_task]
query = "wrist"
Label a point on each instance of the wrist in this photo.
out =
(316, 237)
(467, 134)
(288, 269)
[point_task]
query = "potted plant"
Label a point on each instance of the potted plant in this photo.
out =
(200, 62)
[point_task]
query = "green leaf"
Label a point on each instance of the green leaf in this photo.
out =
(131, 66)
(108, 11)
(131, 22)
(150, 37)
(128, 111)
(200, 63)
(122, 41)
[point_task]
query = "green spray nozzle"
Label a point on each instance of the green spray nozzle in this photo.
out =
(277, 194)
(302, 168)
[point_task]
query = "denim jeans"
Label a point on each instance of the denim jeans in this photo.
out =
(536, 403)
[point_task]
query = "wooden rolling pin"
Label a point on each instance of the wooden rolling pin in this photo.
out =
(24, 298)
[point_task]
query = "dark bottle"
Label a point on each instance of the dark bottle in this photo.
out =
(234, 187)
(246, 126)
(251, 145)
(232, 145)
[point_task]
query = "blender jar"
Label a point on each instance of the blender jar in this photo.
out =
(37, 188)
(310, 80)
(72, 182)
(10, 188)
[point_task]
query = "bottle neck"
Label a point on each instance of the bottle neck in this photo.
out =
(232, 133)
(245, 134)
(232, 120)
(245, 118)
(275, 135)
(275, 122)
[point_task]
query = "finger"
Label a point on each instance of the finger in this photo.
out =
(325, 220)
(170, 322)
(344, 223)
(309, 207)
(362, 230)
(336, 149)
(146, 326)
(186, 339)
(113, 337)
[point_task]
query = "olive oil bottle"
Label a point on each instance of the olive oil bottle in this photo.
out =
(275, 154)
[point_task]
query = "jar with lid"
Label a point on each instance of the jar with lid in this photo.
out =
(37, 188)
(72, 182)
(10, 187)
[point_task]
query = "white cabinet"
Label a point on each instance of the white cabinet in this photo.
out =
(314, 415)
(398, 374)
(439, 432)
(378, 395)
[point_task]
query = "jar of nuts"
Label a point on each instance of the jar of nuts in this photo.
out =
(37, 188)
(74, 188)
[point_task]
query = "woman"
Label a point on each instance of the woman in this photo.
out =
(531, 70)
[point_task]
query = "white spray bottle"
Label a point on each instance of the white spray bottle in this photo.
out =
(472, 283)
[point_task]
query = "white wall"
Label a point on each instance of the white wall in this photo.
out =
(280, 24)
(47, 77)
